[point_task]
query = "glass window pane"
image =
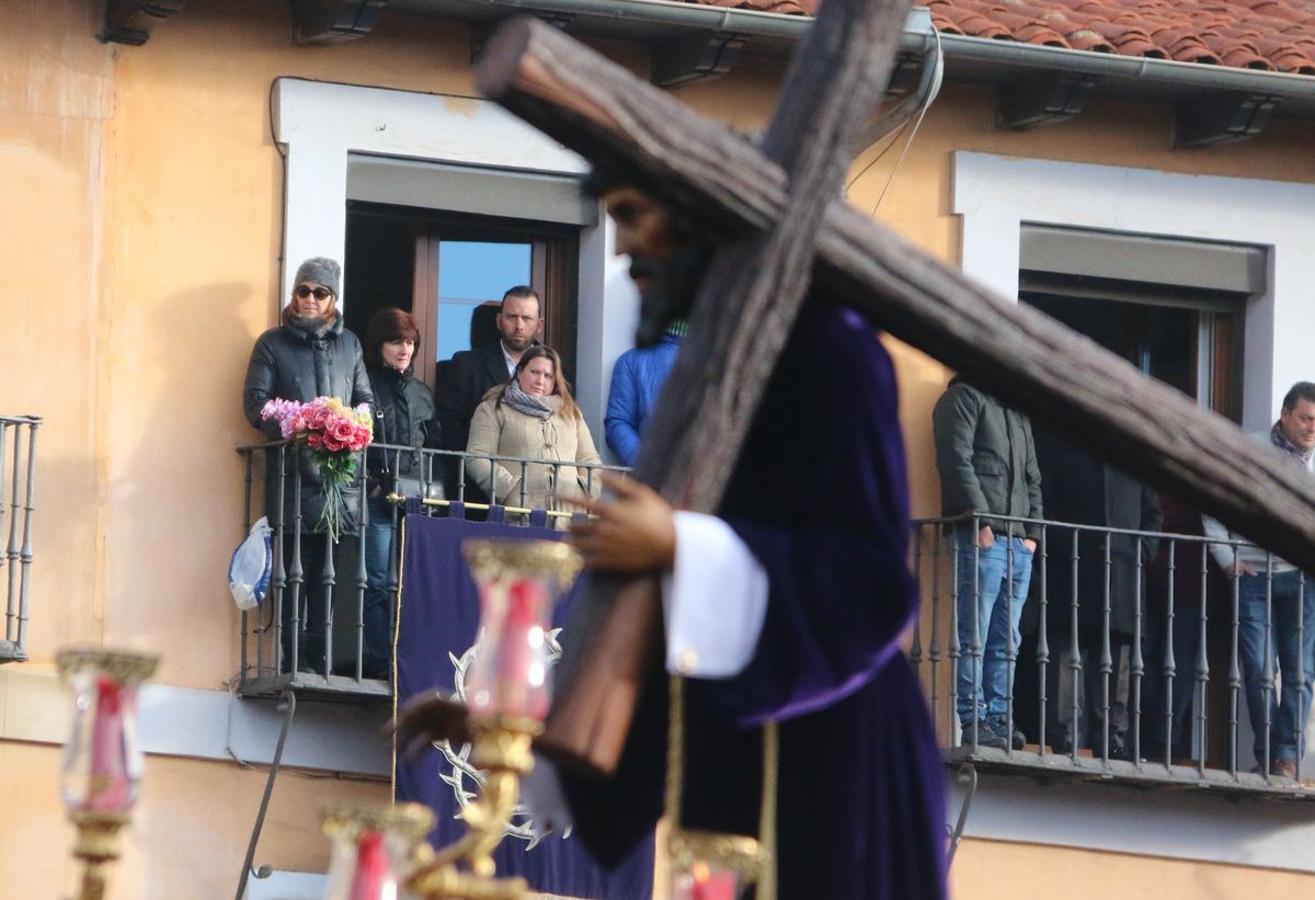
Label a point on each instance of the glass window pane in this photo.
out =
(471, 273)
(476, 270)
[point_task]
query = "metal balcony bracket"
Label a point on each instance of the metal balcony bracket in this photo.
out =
(333, 21)
(288, 705)
(695, 58)
(131, 21)
(1042, 100)
(1221, 119)
(968, 777)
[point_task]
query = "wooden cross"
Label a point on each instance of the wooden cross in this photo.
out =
(779, 200)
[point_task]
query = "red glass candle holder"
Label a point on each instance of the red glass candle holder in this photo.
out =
(103, 759)
(519, 582)
(374, 849)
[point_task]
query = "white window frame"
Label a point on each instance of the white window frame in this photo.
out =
(319, 124)
(994, 195)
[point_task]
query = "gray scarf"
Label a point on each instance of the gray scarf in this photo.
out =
(540, 406)
(312, 326)
(1280, 440)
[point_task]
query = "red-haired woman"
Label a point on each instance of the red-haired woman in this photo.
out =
(404, 415)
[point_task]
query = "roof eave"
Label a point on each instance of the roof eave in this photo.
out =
(996, 61)
(968, 59)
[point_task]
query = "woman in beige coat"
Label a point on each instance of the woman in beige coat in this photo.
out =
(533, 416)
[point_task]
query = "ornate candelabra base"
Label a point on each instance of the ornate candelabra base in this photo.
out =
(502, 751)
(97, 846)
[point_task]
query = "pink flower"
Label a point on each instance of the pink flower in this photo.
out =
(279, 410)
(325, 423)
(343, 430)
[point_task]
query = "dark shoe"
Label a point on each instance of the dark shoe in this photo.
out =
(1120, 748)
(1061, 744)
(986, 736)
(1279, 768)
(1000, 725)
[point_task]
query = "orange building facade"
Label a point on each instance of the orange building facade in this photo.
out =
(159, 197)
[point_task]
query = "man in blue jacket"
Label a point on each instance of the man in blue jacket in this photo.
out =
(637, 380)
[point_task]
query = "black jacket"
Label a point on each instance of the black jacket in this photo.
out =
(986, 458)
(462, 386)
(292, 363)
(403, 414)
(1085, 491)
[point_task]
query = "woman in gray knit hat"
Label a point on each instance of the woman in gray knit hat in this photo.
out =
(309, 355)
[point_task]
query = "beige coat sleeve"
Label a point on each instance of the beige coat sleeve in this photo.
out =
(586, 452)
(485, 431)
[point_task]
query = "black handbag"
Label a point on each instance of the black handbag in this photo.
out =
(389, 482)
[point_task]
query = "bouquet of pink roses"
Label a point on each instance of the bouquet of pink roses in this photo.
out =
(335, 433)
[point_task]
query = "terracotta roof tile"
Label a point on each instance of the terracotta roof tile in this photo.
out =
(1251, 34)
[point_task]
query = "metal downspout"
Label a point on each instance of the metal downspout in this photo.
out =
(673, 13)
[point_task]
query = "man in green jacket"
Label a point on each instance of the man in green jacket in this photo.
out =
(987, 463)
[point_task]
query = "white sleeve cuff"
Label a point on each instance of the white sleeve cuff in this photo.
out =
(1224, 554)
(542, 795)
(715, 599)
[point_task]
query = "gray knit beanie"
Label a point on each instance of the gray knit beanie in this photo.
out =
(321, 270)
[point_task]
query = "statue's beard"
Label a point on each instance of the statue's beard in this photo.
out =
(672, 289)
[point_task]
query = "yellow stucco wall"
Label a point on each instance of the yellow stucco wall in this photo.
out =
(189, 833)
(994, 870)
(139, 255)
(56, 102)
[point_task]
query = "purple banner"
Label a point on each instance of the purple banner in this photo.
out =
(439, 617)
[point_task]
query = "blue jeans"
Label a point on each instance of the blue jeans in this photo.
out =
(1286, 639)
(1002, 573)
(378, 639)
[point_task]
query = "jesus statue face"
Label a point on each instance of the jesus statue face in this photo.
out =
(643, 231)
(665, 263)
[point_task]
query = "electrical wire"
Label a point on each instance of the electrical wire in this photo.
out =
(937, 79)
(894, 139)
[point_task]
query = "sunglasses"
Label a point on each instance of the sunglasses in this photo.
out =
(320, 293)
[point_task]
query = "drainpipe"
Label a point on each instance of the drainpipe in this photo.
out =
(669, 13)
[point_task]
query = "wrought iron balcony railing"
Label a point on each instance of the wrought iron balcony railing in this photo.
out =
(310, 632)
(18, 450)
(1134, 658)
(1137, 657)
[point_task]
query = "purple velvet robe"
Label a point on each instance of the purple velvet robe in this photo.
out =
(819, 496)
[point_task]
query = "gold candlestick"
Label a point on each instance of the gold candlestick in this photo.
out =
(374, 848)
(502, 752)
(102, 760)
(505, 697)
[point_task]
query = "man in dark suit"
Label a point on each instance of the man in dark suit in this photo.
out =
(1080, 489)
(463, 383)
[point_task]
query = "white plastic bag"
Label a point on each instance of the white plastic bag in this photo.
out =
(249, 571)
